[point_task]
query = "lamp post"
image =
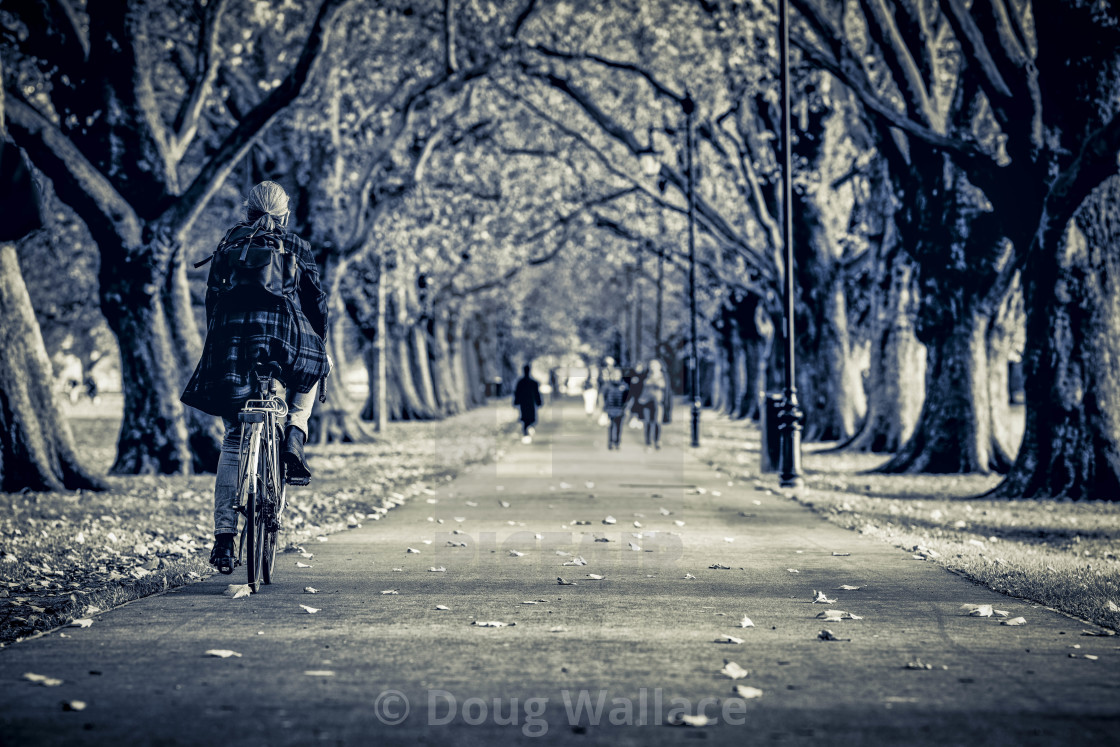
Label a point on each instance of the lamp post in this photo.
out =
(694, 358)
(790, 415)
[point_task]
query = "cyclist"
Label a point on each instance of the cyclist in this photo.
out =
(243, 327)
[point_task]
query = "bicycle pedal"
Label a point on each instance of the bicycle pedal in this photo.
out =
(298, 481)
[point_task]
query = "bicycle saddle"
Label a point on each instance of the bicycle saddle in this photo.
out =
(267, 369)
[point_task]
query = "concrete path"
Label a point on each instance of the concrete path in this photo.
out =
(600, 661)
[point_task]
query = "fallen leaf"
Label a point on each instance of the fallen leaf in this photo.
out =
(848, 587)
(746, 622)
(678, 522)
(729, 639)
(819, 597)
(733, 670)
(310, 610)
(1090, 657)
(433, 569)
(409, 551)
(728, 539)
(237, 591)
(635, 547)
(84, 622)
(561, 582)
(310, 590)
(459, 519)
(610, 520)
(978, 610)
(746, 692)
(505, 504)
(74, 705)
(575, 561)
(490, 624)
(515, 554)
(827, 635)
(390, 591)
(443, 607)
(594, 577)
(472, 504)
(319, 673)
(719, 567)
(1014, 621)
(222, 653)
(1101, 632)
(793, 570)
(918, 664)
(42, 679)
(689, 575)
(685, 719)
(302, 565)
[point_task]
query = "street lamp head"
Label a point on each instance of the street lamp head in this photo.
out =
(687, 104)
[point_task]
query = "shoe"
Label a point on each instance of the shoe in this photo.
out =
(526, 439)
(221, 556)
(297, 472)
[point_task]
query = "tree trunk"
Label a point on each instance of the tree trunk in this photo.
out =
(1072, 438)
(205, 431)
(758, 347)
(37, 448)
(412, 405)
(896, 379)
(153, 437)
(472, 369)
(1003, 333)
(442, 365)
(953, 434)
(420, 362)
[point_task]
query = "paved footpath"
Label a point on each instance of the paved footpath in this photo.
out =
(600, 661)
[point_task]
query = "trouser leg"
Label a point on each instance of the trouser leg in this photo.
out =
(299, 407)
(225, 483)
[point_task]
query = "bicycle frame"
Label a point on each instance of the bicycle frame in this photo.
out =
(261, 491)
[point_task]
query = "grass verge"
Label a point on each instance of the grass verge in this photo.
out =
(1061, 554)
(65, 556)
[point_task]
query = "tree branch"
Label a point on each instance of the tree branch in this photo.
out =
(183, 211)
(656, 84)
(205, 71)
(77, 182)
(901, 62)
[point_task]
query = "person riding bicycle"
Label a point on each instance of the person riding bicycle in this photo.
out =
(244, 327)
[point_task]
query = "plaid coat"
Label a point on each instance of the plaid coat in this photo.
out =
(243, 329)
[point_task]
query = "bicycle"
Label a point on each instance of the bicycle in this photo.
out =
(261, 484)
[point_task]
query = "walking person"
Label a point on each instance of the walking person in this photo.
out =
(247, 323)
(651, 400)
(590, 395)
(527, 397)
(616, 398)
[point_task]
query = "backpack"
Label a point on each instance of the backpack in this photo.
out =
(251, 260)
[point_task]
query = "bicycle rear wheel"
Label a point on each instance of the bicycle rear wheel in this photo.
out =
(272, 538)
(255, 529)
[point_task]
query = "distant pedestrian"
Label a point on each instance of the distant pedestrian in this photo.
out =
(604, 377)
(650, 402)
(616, 398)
(637, 379)
(527, 397)
(553, 385)
(91, 390)
(590, 395)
